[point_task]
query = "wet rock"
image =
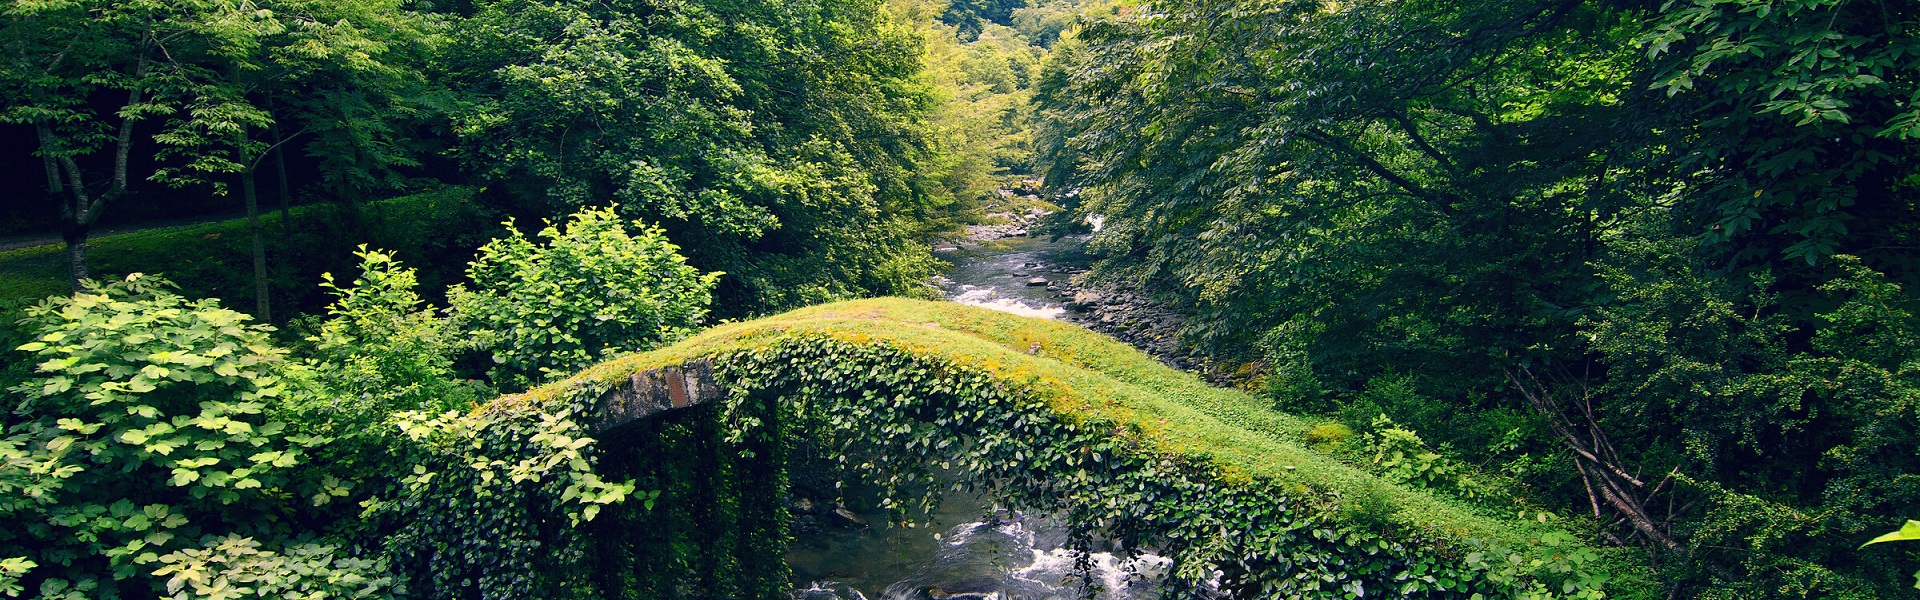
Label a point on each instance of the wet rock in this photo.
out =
(846, 518)
(1036, 281)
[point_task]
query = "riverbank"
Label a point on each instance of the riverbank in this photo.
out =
(1007, 266)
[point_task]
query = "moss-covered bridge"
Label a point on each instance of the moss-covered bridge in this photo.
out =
(1041, 415)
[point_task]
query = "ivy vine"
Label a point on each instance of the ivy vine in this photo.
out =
(906, 423)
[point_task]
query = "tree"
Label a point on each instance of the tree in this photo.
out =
(779, 143)
(1635, 237)
(89, 75)
(1800, 123)
(83, 75)
(970, 17)
(335, 52)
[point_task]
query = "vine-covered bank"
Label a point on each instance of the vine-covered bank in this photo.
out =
(910, 396)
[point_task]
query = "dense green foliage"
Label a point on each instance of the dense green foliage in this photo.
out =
(590, 293)
(94, 80)
(1654, 262)
(380, 345)
(782, 144)
(295, 481)
(985, 78)
(155, 432)
(169, 447)
(1643, 273)
(787, 145)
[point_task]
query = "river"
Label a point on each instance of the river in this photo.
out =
(999, 274)
(968, 551)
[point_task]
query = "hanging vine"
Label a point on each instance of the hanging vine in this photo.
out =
(900, 421)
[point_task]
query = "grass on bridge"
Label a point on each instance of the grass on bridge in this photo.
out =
(1083, 374)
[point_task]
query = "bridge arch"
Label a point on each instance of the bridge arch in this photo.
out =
(1038, 414)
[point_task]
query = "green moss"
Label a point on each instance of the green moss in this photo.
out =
(1328, 437)
(1083, 375)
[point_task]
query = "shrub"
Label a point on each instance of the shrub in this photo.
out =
(591, 292)
(1400, 455)
(149, 429)
(381, 347)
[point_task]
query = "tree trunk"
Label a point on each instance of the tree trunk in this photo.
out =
(1581, 433)
(80, 209)
(76, 239)
(280, 165)
(262, 307)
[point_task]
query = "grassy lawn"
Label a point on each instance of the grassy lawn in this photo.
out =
(214, 259)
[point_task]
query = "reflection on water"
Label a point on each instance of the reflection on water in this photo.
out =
(1000, 275)
(1007, 556)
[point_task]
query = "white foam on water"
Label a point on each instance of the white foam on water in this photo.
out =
(989, 299)
(1055, 568)
(827, 590)
(1118, 578)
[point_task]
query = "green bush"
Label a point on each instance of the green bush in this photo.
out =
(591, 292)
(168, 449)
(150, 433)
(1400, 455)
(380, 346)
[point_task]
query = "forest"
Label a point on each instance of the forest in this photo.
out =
(1499, 299)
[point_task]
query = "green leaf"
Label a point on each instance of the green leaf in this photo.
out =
(1907, 532)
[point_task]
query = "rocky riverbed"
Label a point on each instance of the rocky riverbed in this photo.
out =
(1004, 266)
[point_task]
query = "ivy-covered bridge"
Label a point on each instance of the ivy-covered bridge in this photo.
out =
(905, 396)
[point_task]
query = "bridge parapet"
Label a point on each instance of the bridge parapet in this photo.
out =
(648, 393)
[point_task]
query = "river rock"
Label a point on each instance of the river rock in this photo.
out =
(847, 518)
(1036, 282)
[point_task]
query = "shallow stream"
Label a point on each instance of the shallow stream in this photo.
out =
(968, 552)
(997, 274)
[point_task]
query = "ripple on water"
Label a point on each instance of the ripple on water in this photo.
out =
(1011, 559)
(996, 276)
(988, 298)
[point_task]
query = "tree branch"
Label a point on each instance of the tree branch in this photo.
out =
(1367, 161)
